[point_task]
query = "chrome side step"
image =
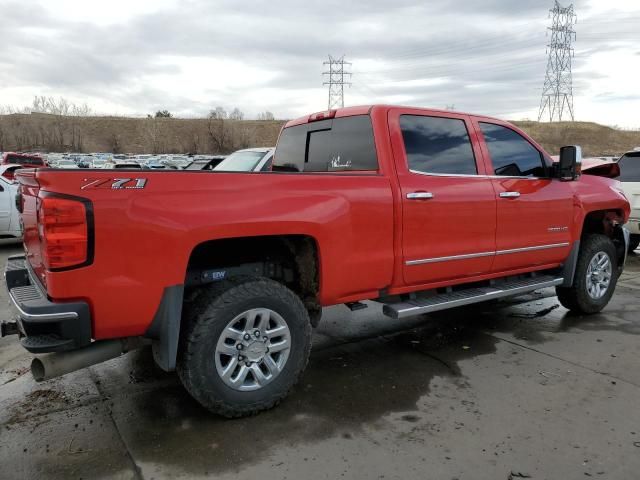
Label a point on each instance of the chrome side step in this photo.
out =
(469, 296)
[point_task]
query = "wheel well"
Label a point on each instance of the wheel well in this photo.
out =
(289, 259)
(609, 223)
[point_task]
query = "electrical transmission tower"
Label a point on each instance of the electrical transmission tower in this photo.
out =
(335, 80)
(557, 93)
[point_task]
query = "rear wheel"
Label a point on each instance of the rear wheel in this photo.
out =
(634, 242)
(244, 346)
(595, 276)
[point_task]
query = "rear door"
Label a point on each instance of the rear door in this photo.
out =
(630, 178)
(448, 205)
(534, 211)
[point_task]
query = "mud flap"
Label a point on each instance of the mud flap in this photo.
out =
(164, 330)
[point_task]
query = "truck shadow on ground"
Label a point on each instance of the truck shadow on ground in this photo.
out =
(344, 389)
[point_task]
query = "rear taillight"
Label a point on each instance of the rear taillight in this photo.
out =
(63, 224)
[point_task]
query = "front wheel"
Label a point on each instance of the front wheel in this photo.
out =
(244, 345)
(634, 242)
(595, 276)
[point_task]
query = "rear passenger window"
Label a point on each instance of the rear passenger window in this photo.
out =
(630, 167)
(437, 145)
(511, 154)
(328, 145)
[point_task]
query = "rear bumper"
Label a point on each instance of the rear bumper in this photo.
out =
(44, 326)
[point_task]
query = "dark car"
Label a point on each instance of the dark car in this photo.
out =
(205, 163)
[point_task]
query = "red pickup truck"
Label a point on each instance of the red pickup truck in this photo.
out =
(225, 273)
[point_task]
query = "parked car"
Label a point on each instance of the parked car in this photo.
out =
(205, 163)
(121, 164)
(67, 163)
(630, 177)
(247, 160)
(28, 160)
(155, 165)
(9, 217)
(98, 162)
(9, 171)
(420, 210)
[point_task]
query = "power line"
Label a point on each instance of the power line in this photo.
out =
(336, 80)
(557, 92)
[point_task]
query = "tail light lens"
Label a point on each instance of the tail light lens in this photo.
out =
(64, 229)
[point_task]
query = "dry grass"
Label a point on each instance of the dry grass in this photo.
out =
(141, 135)
(595, 140)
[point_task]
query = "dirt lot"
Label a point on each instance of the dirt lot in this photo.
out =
(515, 390)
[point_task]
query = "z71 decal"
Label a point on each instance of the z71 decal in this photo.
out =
(114, 183)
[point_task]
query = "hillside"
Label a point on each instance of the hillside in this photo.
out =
(595, 140)
(175, 135)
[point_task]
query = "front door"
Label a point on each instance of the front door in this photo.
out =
(534, 211)
(448, 206)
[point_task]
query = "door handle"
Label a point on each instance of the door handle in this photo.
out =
(509, 194)
(419, 196)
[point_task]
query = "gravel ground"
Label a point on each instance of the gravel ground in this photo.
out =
(518, 389)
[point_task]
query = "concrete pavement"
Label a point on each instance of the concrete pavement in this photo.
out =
(519, 389)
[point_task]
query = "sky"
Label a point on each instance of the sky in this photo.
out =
(134, 57)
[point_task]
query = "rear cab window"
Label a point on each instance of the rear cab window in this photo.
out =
(333, 145)
(629, 167)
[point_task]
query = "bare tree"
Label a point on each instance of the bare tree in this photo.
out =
(218, 113)
(266, 115)
(2, 135)
(154, 135)
(236, 114)
(219, 130)
(115, 143)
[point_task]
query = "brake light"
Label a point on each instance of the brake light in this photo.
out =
(314, 117)
(64, 232)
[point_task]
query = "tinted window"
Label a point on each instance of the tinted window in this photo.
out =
(326, 146)
(22, 160)
(630, 167)
(511, 154)
(437, 145)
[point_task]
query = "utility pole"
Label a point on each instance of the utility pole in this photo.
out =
(557, 93)
(336, 80)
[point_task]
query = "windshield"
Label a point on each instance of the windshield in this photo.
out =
(240, 162)
(630, 167)
(197, 165)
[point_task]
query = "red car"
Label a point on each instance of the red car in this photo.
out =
(225, 273)
(27, 160)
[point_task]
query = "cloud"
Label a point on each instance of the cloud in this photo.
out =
(189, 56)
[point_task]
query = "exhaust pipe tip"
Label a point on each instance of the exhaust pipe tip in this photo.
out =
(37, 369)
(55, 364)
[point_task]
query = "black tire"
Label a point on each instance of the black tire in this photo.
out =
(204, 319)
(634, 242)
(576, 298)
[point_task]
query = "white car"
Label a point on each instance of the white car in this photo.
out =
(66, 163)
(9, 217)
(247, 160)
(630, 177)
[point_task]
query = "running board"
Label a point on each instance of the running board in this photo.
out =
(469, 296)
